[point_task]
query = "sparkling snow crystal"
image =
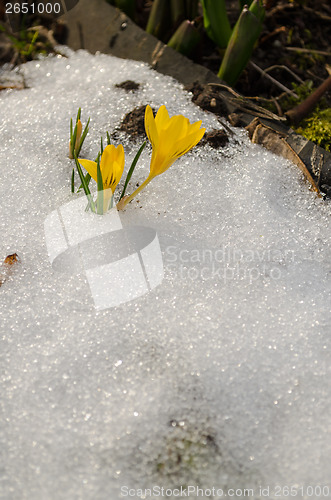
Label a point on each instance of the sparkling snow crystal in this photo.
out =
(220, 375)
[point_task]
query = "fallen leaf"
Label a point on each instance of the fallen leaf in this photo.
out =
(6, 267)
(275, 141)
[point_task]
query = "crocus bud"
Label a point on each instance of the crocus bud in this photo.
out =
(79, 129)
(185, 39)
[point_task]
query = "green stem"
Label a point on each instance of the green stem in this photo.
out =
(133, 166)
(73, 181)
(144, 184)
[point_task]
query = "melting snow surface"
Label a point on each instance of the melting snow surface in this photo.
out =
(220, 376)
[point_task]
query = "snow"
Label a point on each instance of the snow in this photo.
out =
(220, 375)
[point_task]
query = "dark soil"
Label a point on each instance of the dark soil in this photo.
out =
(128, 85)
(207, 98)
(133, 123)
(216, 138)
(294, 47)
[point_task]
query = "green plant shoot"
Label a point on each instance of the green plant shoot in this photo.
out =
(216, 22)
(185, 39)
(244, 36)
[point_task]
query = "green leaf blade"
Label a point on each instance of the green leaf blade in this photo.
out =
(133, 166)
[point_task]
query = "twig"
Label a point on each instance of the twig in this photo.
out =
(316, 77)
(285, 68)
(265, 99)
(227, 128)
(317, 13)
(273, 80)
(308, 51)
(277, 105)
(281, 29)
(245, 105)
(298, 113)
(279, 8)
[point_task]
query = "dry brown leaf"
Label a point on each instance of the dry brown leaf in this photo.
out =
(6, 87)
(6, 267)
(274, 142)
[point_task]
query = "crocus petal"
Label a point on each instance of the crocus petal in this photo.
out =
(116, 175)
(150, 127)
(153, 171)
(120, 155)
(112, 165)
(119, 164)
(184, 145)
(194, 127)
(175, 129)
(165, 157)
(161, 118)
(106, 163)
(90, 167)
(160, 165)
(164, 151)
(168, 137)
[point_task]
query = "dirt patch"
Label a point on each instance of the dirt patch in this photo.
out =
(208, 98)
(128, 85)
(133, 123)
(216, 139)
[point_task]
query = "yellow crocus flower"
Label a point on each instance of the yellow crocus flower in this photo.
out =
(170, 139)
(111, 166)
